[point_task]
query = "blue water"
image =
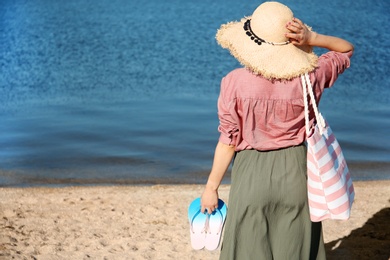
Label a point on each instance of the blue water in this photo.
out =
(123, 91)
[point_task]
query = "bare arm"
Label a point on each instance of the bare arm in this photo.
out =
(300, 35)
(222, 158)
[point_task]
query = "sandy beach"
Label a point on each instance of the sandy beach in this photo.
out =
(150, 222)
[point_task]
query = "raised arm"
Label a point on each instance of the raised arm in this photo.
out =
(300, 35)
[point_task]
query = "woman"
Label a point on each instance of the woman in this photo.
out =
(261, 114)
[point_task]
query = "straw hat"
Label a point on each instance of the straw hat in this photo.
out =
(259, 43)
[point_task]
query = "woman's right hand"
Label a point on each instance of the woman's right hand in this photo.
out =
(299, 33)
(301, 36)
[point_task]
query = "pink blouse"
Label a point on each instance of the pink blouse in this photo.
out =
(256, 113)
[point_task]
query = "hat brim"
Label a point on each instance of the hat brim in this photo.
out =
(270, 61)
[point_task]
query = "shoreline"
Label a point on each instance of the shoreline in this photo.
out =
(360, 171)
(150, 222)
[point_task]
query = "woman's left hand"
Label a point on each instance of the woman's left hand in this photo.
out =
(209, 200)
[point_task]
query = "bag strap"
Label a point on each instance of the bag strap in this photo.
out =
(319, 118)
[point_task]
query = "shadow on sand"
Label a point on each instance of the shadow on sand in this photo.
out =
(370, 242)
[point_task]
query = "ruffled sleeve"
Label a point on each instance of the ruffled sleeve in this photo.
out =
(331, 65)
(227, 123)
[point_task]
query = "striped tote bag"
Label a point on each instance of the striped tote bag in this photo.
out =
(329, 184)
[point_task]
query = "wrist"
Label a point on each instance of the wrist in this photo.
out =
(312, 38)
(212, 185)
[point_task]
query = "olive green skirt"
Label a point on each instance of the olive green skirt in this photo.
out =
(268, 216)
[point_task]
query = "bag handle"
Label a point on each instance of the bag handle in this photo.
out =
(319, 118)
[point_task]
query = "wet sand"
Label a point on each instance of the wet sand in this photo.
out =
(150, 222)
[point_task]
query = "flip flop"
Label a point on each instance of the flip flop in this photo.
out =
(197, 221)
(215, 223)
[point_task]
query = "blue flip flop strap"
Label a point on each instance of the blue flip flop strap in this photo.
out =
(220, 227)
(193, 218)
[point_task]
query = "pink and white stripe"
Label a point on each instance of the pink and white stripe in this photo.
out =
(330, 188)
